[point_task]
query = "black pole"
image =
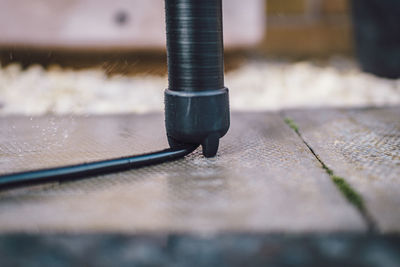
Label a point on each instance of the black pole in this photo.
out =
(196, 102)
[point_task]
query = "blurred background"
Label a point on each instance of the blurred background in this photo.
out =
(103, 56)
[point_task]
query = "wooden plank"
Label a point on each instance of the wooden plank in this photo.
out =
(287, 38)
(231, 250)
(363, 147)
(264, 180)
(112, 24)
(278, 7)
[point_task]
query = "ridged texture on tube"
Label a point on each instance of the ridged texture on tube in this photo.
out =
(195, 45)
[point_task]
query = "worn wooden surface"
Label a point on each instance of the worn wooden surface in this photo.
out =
(264, 180)
(363, 147)
(233, 250)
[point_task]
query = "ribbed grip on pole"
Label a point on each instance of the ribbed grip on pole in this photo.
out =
(195, 45)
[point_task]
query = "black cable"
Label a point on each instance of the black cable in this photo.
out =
(93, 168)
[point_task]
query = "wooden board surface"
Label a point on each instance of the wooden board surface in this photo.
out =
(232, 250)
(264, 180)
(112, 24)
(363, 147)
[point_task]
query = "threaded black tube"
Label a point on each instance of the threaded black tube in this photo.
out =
(195, 45)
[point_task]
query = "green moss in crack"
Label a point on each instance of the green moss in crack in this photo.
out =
(292, 124)
(351, 195)
(329, 171)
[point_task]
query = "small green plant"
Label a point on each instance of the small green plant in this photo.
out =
(292, 124)
(351, 195)
(329, 171)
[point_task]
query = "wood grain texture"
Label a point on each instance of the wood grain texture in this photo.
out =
(112, 24)
(363, 147)
(264, 180)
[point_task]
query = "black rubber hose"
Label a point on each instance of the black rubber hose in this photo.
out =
(94, 168)
(195, 45)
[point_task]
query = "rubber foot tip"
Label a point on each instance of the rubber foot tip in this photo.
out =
(210, 145)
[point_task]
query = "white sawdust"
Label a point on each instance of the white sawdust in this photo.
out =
(254, 86)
